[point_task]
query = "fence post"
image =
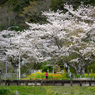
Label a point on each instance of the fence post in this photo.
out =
(71, 83)
(18, 83)
(62, 83)
(26, 82)
(41, 82)
(80, 83)
(35, 83)
(8, 82)
(90, 83)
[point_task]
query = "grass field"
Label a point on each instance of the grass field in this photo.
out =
(47, 90)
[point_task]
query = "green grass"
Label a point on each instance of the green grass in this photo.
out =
(48, 90)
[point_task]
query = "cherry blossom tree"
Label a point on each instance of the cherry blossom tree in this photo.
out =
(69, 37)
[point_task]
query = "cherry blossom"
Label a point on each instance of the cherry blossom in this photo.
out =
(68, 36)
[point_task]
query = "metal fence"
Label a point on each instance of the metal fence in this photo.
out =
(9, 76)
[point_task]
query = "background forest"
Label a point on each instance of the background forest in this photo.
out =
(17, 12)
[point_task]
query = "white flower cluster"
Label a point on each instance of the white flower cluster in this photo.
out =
(64, 35)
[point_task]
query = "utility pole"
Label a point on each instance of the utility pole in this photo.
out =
(6, 54)
(19, 59)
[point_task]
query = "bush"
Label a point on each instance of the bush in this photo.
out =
(86, 75)
(37, 75)
(4, 91)
(40, 75)
(89, 75)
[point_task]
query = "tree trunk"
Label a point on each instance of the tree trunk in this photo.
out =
(80, 71)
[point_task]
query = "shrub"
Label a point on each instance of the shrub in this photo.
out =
(4, 91)
(50, 76)
(89, 75)
(37, 75)
(58, 76)
(85, 75)
(40, 75)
